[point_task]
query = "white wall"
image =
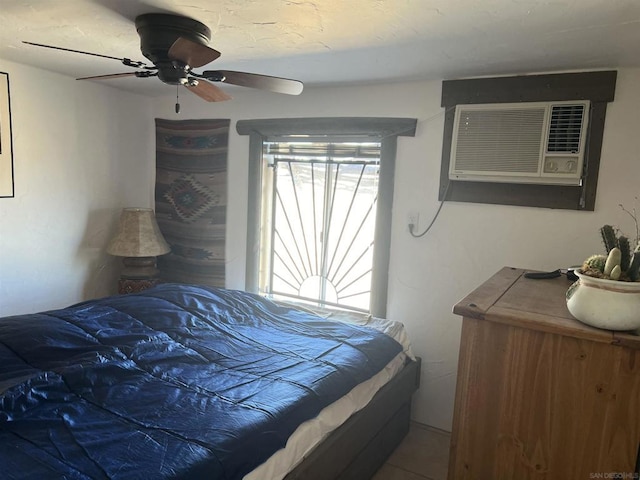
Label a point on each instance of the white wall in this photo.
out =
(81, 152)
(469, 242)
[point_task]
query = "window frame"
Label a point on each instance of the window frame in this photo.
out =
(598, 87)
(384, 130)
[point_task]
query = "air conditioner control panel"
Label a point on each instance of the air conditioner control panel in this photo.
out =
(558, 164)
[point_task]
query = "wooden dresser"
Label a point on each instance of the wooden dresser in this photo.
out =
(540, 395)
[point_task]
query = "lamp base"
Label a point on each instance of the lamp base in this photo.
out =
(138, 273)
(127, 285)
(139, 267)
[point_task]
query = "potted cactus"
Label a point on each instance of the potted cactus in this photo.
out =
(620, 262)
(607, 293)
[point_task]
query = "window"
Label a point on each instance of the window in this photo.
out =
(319, 215)
(320, 198)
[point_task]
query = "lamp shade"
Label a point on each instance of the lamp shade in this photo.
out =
(138, 235)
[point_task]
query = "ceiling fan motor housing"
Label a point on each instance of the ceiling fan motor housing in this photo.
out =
(158, 32)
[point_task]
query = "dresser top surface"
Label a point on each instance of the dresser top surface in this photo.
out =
(508, 297)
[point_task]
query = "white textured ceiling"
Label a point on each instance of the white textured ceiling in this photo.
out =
(337, 41)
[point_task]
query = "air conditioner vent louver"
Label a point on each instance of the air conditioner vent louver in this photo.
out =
(565, 128)
(487, 140)
(527, 142)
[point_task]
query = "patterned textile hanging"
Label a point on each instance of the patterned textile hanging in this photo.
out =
(191, 199)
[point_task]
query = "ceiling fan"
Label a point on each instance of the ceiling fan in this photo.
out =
(176, 45)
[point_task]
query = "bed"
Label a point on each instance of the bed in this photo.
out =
(185, 381)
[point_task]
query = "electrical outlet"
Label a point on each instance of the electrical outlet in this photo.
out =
(413, 218)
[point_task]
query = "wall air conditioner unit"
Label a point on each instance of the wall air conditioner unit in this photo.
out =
(532, 142)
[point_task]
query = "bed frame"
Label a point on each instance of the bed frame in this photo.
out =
(359, 447)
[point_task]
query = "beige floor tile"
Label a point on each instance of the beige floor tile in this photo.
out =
(424, 451)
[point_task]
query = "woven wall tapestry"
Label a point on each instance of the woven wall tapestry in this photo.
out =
(191, 199)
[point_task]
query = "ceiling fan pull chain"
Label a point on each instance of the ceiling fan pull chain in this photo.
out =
(177, 99)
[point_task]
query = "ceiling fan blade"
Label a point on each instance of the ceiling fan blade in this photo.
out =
(192, 53)
(208, 91)
(126, 61)
(253, 80)
(113, 75)
(128, 9)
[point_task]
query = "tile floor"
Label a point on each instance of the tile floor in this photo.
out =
(422, 455)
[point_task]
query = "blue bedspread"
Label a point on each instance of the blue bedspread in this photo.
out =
(175, 382)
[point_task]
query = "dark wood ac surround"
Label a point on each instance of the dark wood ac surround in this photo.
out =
(598, 87)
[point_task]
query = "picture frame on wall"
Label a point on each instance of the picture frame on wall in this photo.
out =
(6, 144)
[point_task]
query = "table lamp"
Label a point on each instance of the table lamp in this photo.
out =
(139, 241)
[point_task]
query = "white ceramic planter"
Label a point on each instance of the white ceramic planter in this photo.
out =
(604, 303)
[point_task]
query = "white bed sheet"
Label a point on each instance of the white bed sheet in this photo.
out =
(312, 432)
